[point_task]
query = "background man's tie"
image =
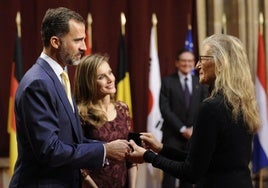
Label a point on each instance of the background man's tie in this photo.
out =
(67, 87)
(187, 95)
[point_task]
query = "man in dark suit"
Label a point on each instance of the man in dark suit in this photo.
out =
(51, 146)
(180, 97)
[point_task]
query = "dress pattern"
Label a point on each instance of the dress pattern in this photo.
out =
(113, 175)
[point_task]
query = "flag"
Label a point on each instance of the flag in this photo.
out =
(16, 74)
(154, 119)
(123, 85)
(260, 145)
(188, 45)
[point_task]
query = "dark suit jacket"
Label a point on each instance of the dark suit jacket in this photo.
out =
(51, 146)
(173, 110)
(220, 150)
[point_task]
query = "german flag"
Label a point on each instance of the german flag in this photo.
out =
(16, 75)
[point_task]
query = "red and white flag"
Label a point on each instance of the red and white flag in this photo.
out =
(260, 144)
(154, 119)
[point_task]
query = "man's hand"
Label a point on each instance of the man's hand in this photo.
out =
(117, 149)
(136, 156)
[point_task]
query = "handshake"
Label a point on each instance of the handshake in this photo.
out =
(133, 149)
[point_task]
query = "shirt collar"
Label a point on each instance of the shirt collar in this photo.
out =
(182, 76)
(53, 64)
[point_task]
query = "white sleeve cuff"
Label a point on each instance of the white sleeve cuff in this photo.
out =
(183, 129)
(105, 160)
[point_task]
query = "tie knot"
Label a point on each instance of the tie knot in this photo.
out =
(185, 79)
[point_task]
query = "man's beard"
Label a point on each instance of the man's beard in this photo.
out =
(67, 59)
(76, 62)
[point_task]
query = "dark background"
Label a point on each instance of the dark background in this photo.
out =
(172, 27)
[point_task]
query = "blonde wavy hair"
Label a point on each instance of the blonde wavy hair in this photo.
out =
(85, 89)
(233, 77)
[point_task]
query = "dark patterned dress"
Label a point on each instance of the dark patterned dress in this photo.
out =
(113, 175)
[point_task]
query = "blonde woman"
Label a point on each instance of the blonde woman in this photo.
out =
(221, 144)
(103, 118)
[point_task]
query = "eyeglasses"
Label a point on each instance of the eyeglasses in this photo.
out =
(203, 58)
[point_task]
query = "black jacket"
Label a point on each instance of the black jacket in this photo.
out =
(220, 150)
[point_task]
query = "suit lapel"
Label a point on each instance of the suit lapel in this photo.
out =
(63, 97)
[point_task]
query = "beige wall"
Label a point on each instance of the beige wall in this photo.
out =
(241, 21)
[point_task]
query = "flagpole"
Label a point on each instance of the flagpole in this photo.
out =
(261, 23)
(123, 23)
(261, 178)
(154, 22)
(89, 29)
(224, 26)
(18, 22)
(261, 33)
(189, 22)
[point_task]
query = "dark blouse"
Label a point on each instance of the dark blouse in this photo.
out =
(220, 150)
(113, 175)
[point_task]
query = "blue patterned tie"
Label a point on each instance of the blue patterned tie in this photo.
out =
(187, 95)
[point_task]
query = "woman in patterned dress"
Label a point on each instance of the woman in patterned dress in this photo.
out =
(103, 118)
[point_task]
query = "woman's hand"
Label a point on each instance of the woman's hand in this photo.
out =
(136, 156)
(150, 142)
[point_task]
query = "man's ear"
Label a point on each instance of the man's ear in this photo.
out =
(55, 42)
